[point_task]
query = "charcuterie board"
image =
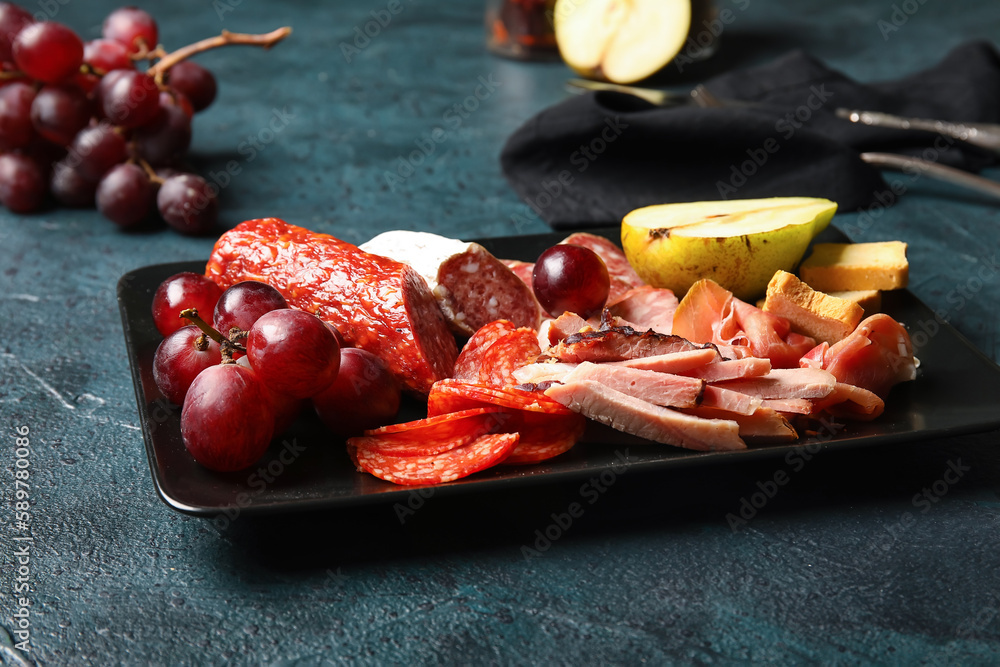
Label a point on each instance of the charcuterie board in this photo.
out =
(956, 391)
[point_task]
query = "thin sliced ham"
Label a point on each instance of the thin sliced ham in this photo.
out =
(763, 426)
(682, 363)
(645, 420)
(657, 388)
(730, 369)
(646, 307)
(786, 383)
(711, 314)
(850, 402)
(618, 344)
(876, 356)
(729, 400)
(797, 406)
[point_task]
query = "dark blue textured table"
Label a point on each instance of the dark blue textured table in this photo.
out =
(851, 562)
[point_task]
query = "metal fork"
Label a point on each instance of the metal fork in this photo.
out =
(980, 134)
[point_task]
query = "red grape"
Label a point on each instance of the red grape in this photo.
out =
(179, 359)
(105, 55)
(188, 204)
(286, 408)
(194, 81)
(22, 182)
(179, 292)
(69, 187)
(128, 98)
(364, 395)
(125, 195)
(243, 304)
(132, 27)
(227, 421)
(16, 130)
(167, 136)
(59, 112)
(96, 149)
(48, 51)
(293, 352)
(570, 278)
(12, 20)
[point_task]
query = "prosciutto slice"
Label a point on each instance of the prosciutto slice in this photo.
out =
(645, 420)
(711, 314)
(876, 356)
(646, 307)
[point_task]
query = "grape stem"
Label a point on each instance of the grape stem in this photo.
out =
(226, 346)
(266, 41)
(153, 177)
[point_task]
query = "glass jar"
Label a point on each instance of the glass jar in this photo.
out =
(521, 29)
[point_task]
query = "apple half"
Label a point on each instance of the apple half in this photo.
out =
(622, 41)
(738, 243)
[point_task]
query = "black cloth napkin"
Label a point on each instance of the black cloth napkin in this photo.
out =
(593, 158)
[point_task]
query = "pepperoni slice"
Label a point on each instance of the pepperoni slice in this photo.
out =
(483, 452)
(507, 354)
(451, 395)
(404, 448)
(434, 435)
(471, 357)
(544, 436)
(440, 426)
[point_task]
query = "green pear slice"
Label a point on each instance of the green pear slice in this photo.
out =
(622, 41)
(737, 243)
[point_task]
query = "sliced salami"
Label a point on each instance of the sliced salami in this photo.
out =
(389, 447)
(481, 453)
(470, 359)
(451, 395)
(545, 436)
(476, 421)
(508, 353)
(471, 286)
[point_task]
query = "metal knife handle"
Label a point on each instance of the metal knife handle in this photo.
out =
(913, 165)
(985, 135)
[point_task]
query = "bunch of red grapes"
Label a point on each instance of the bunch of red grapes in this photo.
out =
(79, 121)
(245, 378)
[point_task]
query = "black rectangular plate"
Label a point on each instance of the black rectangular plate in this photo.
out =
(957, 391)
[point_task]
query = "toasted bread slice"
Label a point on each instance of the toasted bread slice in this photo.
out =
(869, 299)
(821, 316)
(838, 267)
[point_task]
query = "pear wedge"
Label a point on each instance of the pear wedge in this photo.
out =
(738, 243)
(622, 41)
